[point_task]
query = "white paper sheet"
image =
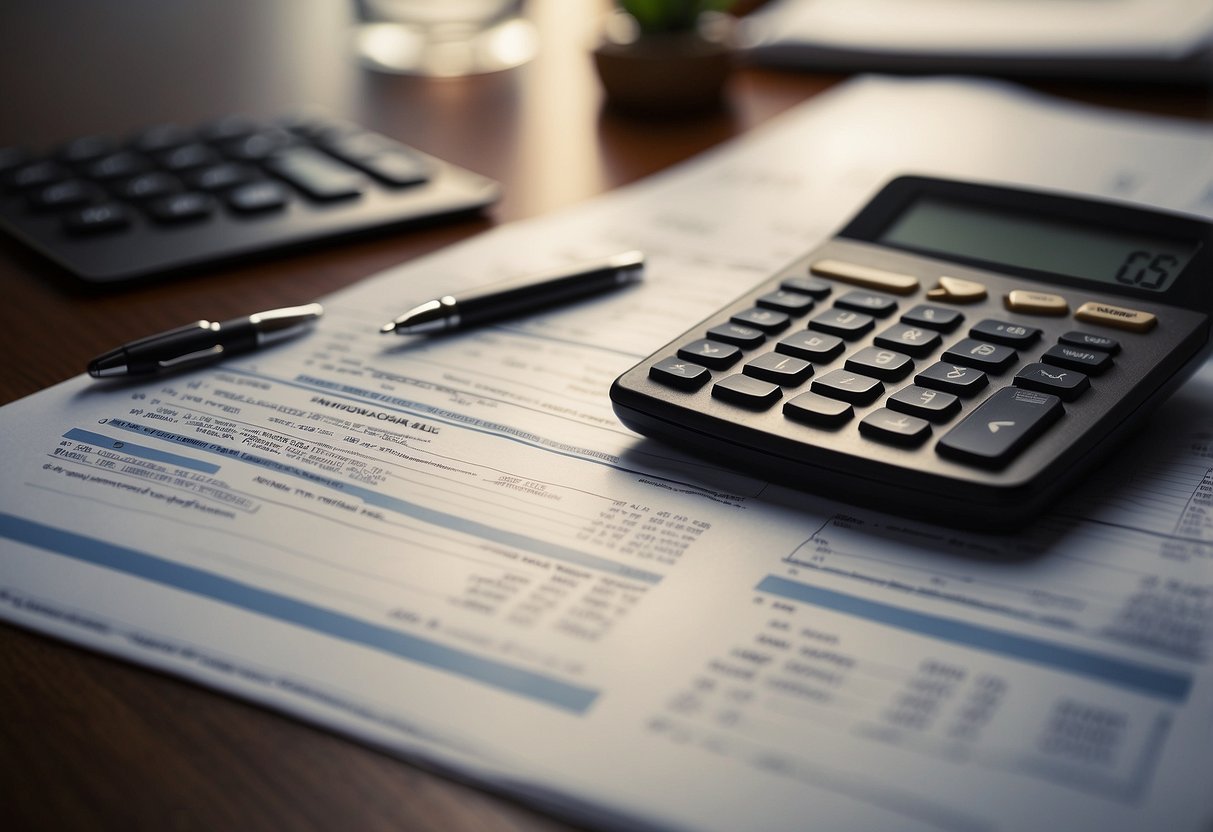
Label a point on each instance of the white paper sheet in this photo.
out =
(450, 548)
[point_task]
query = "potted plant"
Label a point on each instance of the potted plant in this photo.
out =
(666, 56)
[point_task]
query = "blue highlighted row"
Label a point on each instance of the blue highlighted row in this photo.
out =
(1164, 684)
(535, 686)
(141, 451)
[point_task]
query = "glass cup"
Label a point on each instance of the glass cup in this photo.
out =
(443, 37)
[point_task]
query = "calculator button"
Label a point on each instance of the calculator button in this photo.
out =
(317, 175)
(895, 428)
(71, 193)
(260, 145)
(149, 186)
(993, 358)
(951, 378)
(397, 168)
(794, 303)
(227, 127)
(86, 149)
(780, 369)
(848, 386)
(188, 157)
(1117, 316)
(257, 196)
(768, 320)
(11, 157)
(742, 336)
(96, 219)
(1067, 385)
(124, 163)
(843, 323)
(1077, 358)
(747, 391)
(1004, 332)
(183, 207)
(223, 176)
(883, 364)
(1077, 338)
(932, 405)
(161, 137)
(912, 339)
(814, 286)
(866, 276)
(675, 372)
(933, 317)
(37, 174)
(1036, 303)
(1001, 427)
(811, 346)
(710, 353)
(874, 303)
(817, 409)
(957, 290)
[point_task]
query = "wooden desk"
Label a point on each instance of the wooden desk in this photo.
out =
(88, 742)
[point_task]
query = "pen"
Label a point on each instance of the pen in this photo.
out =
(204, 341)
(524, 294)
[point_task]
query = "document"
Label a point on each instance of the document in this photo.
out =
(451, 549)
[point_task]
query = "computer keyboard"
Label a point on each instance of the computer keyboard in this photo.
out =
(170, 198)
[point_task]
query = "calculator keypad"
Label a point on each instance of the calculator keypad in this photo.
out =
(913, 377)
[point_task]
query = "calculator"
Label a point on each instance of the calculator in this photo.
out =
(958, 352)
(170, 197)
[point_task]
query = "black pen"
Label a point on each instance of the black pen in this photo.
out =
(204, 341)
(519, 295)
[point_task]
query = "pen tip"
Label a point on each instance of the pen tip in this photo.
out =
(388, 328)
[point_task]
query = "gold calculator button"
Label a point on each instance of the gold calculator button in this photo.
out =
(1036, 303)
(1117, 316)
(866, 276)
(956, 290)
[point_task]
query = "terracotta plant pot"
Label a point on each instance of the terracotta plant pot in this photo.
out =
(669, 73)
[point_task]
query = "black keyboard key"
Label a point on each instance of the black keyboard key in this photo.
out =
(880, 363)
(811, 346)
(1001, 427)
(895, 428)
(256, 197)
(71, 193)
(675, 372)
(818, 410)
(1067, 385)
(768, 320)
(11, 157)
(710, 353)
(932, 405)
(873, 303)
(1004, 332)
(96, 219)
(747, 391)
(189, 157)
(261, 145)
(227, 128)
(742, 336)
(915, 340)
(848, 386)
(1077, 338)
(184, 207)
(784, 370)
(149, 186)
(939, 318)
(1077, 358)
(952, 378)
(319, 176)
(844, 323)
(992, 358)
(124, 163)
(397, 168)
(794, 303)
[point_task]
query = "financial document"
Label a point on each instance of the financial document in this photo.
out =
(450, 548)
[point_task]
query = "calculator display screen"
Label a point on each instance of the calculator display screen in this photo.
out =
(1057, 246)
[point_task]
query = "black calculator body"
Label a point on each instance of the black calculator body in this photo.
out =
(958, 352)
